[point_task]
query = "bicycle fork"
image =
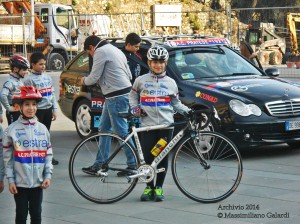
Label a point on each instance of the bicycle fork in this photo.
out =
(202, 161)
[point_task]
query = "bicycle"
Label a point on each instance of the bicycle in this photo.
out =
(206, 166)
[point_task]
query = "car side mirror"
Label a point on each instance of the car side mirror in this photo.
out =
(272, 72)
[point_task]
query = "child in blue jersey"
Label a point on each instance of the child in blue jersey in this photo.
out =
(19, 68)
(27, 156)
(47, 108)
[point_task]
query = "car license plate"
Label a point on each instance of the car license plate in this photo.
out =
(292, 125)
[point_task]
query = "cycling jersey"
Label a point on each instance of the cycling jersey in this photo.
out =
(158, 97)
(9, 87)
(43, 83)
(27, 153)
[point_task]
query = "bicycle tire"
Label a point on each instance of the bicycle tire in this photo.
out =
(216, 182)
(94, 188)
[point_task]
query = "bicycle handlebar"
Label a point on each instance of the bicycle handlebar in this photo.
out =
(201, 116)
(129, 115)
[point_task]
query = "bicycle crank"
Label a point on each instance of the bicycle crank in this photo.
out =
(145, 173)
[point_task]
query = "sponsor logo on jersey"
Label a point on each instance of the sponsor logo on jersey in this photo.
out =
(155, 101)
(30, 156)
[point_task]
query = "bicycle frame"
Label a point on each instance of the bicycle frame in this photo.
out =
(168, 147)
(187, 126)
(219, 173)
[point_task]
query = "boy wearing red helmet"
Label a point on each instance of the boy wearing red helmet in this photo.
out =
(19, 67)
(27, 155)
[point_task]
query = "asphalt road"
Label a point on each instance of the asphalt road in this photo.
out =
(269, 192)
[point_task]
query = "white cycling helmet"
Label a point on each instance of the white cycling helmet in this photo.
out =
(157, 53)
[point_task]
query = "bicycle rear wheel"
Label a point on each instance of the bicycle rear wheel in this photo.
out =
(100, 188)
(207, 168)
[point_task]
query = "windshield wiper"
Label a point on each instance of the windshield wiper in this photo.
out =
(237, 74)
(205, 77)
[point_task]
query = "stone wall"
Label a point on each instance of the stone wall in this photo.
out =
(197, 16)
(137, 16)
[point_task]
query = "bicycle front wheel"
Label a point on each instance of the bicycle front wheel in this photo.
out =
(107, 188)
(207, 167)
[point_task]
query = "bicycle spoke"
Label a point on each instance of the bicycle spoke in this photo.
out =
(98, 188)
(213, 182)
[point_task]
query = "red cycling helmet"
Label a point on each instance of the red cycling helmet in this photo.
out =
(19, 62)
(26, 93)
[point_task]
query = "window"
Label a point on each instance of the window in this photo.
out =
(44, 15)
(81, 64)
(64, 18)
(254, 38)
(199, 63)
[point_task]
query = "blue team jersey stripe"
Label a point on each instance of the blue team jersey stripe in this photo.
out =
(46, 93)
(153, 104)
(29, 159)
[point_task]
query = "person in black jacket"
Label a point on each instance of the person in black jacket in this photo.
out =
(134, 59)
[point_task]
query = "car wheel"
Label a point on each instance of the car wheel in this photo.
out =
(83, 118)
(56, 62)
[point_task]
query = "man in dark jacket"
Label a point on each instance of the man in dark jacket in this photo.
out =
(134, 59)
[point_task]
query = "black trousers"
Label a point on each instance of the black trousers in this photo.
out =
(148, 141)
(29, 199)
(12, 116)
(45, 117)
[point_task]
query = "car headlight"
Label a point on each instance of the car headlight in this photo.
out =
(243, 109)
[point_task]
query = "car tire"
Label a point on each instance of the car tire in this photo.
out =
(56, 62)
(83, 118)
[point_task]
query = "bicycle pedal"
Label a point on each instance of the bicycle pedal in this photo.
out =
(128, 179)
(103, 174)
(160, 170)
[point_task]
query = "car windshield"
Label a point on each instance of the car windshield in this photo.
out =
(209, 62)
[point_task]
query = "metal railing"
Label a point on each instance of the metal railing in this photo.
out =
(225, 22)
